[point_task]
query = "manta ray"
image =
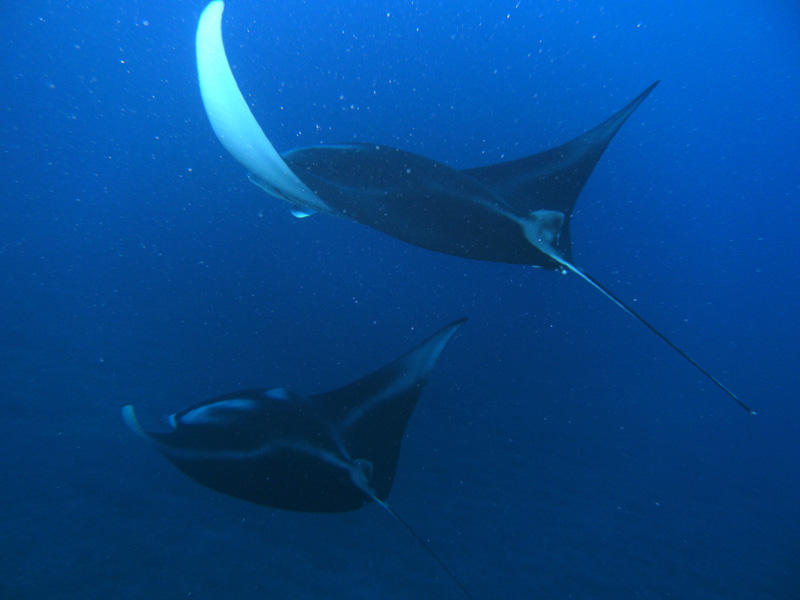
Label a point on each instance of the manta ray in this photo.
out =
(517, 211)
(326, 453)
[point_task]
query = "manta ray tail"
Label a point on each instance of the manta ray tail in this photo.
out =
(606, 292)
(422, 543)
(541, 231)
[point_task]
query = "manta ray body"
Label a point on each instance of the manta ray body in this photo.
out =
(331, 452)
(517, 211)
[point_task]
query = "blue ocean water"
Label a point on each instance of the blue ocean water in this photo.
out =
(559, 451)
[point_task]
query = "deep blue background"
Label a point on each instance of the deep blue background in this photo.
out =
(560, 450)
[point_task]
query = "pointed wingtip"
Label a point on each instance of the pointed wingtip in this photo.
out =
(422, 359)
(216, 5)
(459, 322)
(212, 14)
(626, 112)
(640, 98)
(439, 340)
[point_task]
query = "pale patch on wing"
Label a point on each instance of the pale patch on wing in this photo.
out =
(261, 451)
(277, 394)
(230, 116)
(413, 368)
(219, 413)
(410, 371)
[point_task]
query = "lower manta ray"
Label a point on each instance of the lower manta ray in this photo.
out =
(514, 212)
(326, 453)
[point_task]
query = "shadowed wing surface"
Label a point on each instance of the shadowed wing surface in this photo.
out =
(332, 452)
(517, 211)
(473, 213)
(374, 411)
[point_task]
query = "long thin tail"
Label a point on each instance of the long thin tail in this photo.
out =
(423, 544)
(638, 317)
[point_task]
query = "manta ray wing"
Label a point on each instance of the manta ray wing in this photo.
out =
(373, 412)
(331, 452)
(417, 200)
(515, 212)
(552, 180)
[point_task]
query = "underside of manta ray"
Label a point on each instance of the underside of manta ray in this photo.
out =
(514, 212)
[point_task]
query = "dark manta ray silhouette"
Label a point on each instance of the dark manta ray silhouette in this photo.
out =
(514, 212)
(326, 453)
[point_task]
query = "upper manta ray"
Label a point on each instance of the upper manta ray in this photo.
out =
(330, 452)
(514, 212)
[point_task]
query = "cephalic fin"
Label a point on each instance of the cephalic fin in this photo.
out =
(129, 416)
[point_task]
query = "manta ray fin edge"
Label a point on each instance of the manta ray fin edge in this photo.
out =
(231, 118)
(553, 179)
(375, 409)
